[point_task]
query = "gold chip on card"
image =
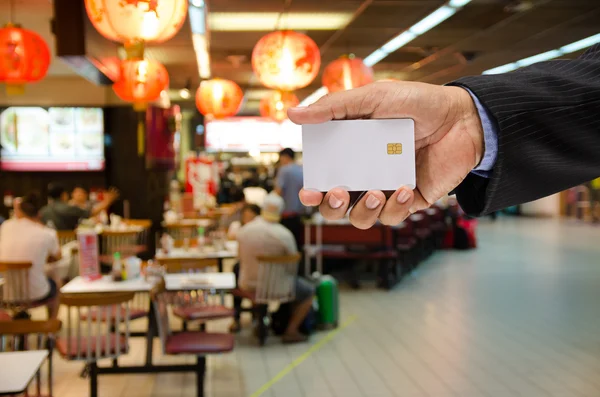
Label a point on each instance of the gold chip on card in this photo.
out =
(394, 148)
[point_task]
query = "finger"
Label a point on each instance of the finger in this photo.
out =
(335, 204)
(419, 203)
(397, 207)
(350, 104)
(310, 198)
(364, 213)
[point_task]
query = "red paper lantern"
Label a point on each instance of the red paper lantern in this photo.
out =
(141, 81)
(346, 73)
(219, 98)
(130, 21)
(286, 60)
(276, 104)
(25, 58)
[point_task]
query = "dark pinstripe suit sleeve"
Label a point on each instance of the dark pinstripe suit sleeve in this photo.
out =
(548, 118)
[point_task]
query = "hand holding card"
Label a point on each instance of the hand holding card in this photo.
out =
(448, 141)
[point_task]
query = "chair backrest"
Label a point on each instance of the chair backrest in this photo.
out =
(21, 335)
(181, 231)
(187, 265)
(377, 236)
(66, 236)
(124, 242)
(160, 303)
(15, 292)
(276, 278)
(143, 235)
(97, 339)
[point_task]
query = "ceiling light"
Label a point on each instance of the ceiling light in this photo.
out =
(458, 3)
(314, 97)
(267, 21)
(581, 44)
(546, 56)
(202, 57)
(197, 20)
(185, 93)
(509, 67)
(398, 41)
(375, 57)
(432, 20)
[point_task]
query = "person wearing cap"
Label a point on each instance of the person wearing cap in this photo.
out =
(266, 236)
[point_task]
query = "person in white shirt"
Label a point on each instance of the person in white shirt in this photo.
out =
(25, 239)
(266, 236)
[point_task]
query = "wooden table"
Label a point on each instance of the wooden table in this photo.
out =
(230, 251)
(174, 282)
(18, 369)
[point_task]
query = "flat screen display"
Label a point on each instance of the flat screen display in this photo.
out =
(51, 139)
(244, 134)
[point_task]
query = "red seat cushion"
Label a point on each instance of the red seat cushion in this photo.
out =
(4, 316)
(199, 343)
(109, 348)
(202, 312)
(133, 314)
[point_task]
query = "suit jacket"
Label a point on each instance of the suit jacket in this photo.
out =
(548, 125)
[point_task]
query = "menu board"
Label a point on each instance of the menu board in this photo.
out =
(243, 134)
(53, 139)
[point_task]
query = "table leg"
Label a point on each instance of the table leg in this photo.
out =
(152, 326)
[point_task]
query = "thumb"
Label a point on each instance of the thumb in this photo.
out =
(419, 203)
(352, 104)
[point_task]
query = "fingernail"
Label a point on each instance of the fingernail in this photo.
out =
(300, 107)
(372, 202)
(403, 197)
(335, 202)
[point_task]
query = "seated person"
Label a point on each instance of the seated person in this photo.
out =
(60, 215)
(265, 236)
(249, 212)
(24, 238)
(80, 198)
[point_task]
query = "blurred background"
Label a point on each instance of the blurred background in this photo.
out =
(164, 123)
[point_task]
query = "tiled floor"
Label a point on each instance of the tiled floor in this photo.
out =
(519, 316)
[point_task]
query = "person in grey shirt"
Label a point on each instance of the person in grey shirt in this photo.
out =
(61, 215)
(290, 181)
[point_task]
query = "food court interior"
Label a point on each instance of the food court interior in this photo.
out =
(150, 226)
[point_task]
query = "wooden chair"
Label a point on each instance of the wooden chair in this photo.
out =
(181, 231)
(20, 335)
(16, 296)
(145, 226)
(276, 284)
(92, 339)
(123, 242)
(199, 344)
(375, 245)
(200, 306)
(138, 308)
(66, 236)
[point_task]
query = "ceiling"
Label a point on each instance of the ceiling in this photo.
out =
(483, 35)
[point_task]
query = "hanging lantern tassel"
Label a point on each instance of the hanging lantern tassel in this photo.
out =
(141, 134)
